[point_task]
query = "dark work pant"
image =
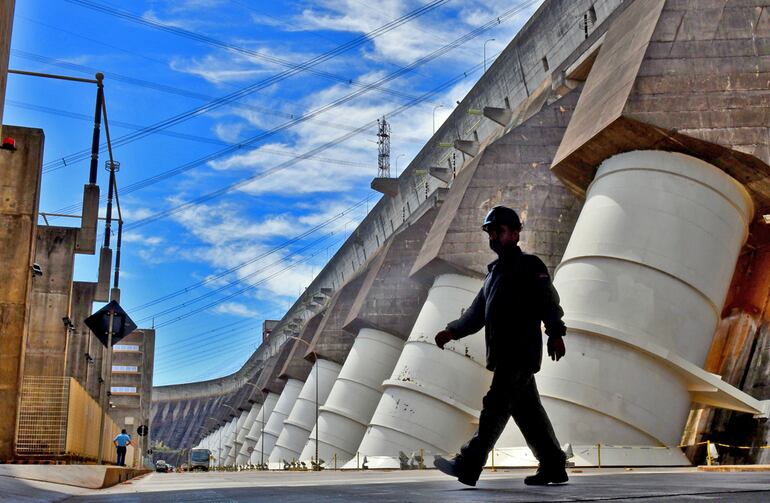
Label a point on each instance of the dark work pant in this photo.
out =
(121, 456)
(512, 394)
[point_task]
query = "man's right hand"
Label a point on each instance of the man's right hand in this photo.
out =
(443, 337)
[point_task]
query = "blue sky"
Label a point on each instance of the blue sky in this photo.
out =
(189, 53)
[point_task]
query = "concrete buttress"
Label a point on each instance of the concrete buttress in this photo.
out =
(19, 199)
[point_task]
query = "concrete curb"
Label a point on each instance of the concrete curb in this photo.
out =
(86, 476)
(734, 468)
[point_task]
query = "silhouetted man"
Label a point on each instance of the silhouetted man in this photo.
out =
(121, 441)
(517, 295)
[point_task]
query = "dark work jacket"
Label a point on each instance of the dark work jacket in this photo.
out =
(517, 295)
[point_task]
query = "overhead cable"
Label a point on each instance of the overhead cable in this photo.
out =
(262, 84)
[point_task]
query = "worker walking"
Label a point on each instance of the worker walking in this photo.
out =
(121, 441)
(517, 295)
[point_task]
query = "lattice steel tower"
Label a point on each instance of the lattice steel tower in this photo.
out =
(383, 148)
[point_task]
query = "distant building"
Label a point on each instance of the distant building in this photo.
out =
(131, 384)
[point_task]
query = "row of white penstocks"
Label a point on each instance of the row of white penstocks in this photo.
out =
(642, 283)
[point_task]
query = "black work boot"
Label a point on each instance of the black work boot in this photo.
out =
(451, 468)
(547, 475)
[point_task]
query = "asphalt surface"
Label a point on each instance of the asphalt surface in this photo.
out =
(429, 485)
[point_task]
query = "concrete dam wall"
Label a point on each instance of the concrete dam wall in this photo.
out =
(636, 149)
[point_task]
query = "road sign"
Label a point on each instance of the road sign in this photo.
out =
(141, 431)
(99, 323)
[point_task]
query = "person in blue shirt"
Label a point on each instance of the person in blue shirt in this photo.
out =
(120, 442)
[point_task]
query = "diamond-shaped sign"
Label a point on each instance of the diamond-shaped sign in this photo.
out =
(99, 323)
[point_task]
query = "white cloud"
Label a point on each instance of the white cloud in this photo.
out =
(235, 308)
(136, 237)
(229, 132)
(216, 70)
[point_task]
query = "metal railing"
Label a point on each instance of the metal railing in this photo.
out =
(59, 419)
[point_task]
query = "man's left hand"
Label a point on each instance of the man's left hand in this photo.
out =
(556, 348)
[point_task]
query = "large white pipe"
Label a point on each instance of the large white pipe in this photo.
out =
(227, 438)
(244, 454)
(238, 435)
(432, 399)
(301, 420)
(346, 413)
(229, 442)
(218, 445)
(642, 283)
(258, 456)
(274, 424)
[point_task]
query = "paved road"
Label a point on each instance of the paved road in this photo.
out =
(505, 485)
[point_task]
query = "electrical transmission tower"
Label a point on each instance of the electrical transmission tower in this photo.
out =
(383, 148)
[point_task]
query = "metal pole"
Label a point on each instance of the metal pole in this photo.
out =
(708, 452)
(485, 53)
(116, 282)
(262, 440)
(317, 379)
(106, 387)
(97, 128)
(110, 192)
(434, 116)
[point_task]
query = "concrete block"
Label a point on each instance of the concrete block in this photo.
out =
(387, 186)
(104, 279)
(469, 147)
(442, 173)
(502, 116)
(88, 476)
(86, 243)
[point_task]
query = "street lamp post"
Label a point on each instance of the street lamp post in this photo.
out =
(318, 379)
(397, 157)
(219, 451)
(434, 116)
(485, 52)
(235, 421)
(262, 441)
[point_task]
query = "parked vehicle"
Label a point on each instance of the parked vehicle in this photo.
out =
(199, 459)
(161, 466)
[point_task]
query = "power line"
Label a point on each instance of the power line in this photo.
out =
(234, 347)
(443, 50)
(227, 285)
(192, 337)
(173, 134)
(157, 87)
(262, 255)
(250, 286)
(293, 69)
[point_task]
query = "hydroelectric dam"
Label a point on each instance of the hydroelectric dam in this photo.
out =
(635, 144)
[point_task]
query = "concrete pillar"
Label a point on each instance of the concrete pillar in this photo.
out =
(6, 28)
(50, 301)
(79, 335)
(258, 456)
(19, 198)
(86, 243)
(352, 400)
(432, 398)
(301, 420)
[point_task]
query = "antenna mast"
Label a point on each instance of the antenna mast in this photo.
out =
(383, 148)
